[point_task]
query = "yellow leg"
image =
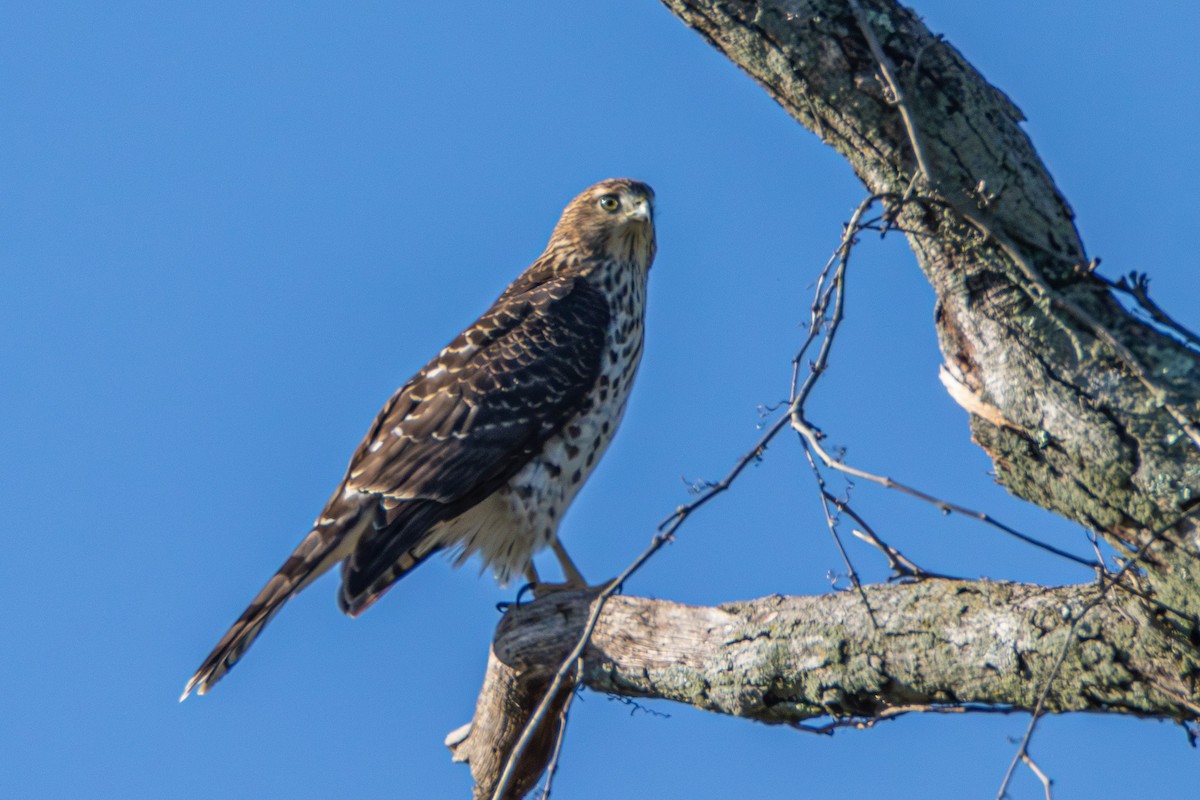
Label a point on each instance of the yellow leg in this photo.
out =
(575, 579)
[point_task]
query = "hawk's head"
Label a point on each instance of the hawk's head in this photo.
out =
(614, 218)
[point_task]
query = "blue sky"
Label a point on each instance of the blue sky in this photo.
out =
(228, 232)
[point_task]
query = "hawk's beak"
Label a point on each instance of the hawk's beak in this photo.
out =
(642, 212)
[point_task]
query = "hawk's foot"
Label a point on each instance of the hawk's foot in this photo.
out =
(529, 588)
(542, 589)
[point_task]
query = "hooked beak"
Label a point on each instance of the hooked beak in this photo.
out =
(642, 211)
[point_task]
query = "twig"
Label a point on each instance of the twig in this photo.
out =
(840, 257)
(1179, 698)
(889, 71)
(1022, 749)
(821, 299)
(1140, 553)
(552, 767)
(1044, 292)
(895, 712)
(1094, 540)
(812, 437)
(1137, 286)
(900, 564)
(823, 292)
(831, 523)
(1046, 782)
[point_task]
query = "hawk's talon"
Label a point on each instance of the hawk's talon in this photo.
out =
(530, 587)
(543, 589)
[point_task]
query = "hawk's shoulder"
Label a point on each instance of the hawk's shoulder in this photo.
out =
(473, 417)
(478, 410)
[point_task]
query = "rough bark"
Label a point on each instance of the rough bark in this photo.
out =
(1067, 423)
(1084, 410)
(934, 645)
(510, 694)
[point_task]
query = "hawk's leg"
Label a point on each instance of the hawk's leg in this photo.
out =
(574, 578)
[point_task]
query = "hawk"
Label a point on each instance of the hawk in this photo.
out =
(483, 450)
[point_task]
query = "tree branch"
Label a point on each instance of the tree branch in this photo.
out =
(939, 644)
(1085, 409)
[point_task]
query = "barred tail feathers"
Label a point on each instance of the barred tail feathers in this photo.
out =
(321, 549)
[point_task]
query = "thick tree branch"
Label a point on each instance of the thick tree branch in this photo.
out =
(782, 660)
(1084, 409)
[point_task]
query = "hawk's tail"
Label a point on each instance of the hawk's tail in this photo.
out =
(324, 546)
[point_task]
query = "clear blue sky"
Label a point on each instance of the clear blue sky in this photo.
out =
(229, 230)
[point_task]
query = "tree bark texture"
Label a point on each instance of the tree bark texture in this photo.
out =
(784, 660)
(1066, 422)
(1083, 408)
(928, 646)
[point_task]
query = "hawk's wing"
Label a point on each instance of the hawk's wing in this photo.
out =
(451, 436)
(469, 421)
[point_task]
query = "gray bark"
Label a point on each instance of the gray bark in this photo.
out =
(1084, 410)
(784, 660)
(1067, 423)
(931, 646)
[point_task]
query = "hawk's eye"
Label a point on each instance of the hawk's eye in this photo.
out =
(610, 203)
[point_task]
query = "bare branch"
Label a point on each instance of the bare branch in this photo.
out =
(812, 438)
(940, 645)
(1041, 776)
(889, 72)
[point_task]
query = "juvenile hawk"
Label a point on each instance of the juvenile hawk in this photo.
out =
(483, 450)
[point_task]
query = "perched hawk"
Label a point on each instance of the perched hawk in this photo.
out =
(483, 450)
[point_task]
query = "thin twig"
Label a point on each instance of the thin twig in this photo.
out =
(895, 712)
(889, 72)
(901, 565)
(1045, 293)
(1023, 748)
(1094, 540)
(831, 523)
(823, 290)
(1046, 782)
(812, 437)
(821, 298)
(841, 256)
(1137, 286)
(562, 734)
(1140, 553)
